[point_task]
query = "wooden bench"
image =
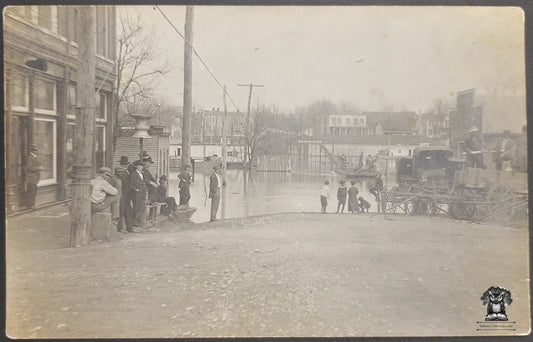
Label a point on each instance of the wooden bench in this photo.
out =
(154, 207)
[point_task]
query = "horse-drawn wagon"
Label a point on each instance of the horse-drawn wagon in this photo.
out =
(431, 182)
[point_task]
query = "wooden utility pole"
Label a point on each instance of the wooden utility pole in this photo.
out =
(248, 124)
(80, 228)
(187, 90)
(224, 137)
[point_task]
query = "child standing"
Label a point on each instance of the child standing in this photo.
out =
(353, 204)
(342, 192)
(324, 195)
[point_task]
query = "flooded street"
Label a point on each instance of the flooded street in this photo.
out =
(267, 193)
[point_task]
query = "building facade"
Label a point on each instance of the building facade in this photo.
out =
(366, 123)
(157, 147)
(434, 125)
(40, 62)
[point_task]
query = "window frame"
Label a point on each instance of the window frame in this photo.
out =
(54, 100)
(25, 108)
(53, 180)
(103, 95)
(104, 150)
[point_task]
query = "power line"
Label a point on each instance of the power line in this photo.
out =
(198, 55)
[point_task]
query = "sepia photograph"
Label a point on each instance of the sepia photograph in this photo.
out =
(201, 171)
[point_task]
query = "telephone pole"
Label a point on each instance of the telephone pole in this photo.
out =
(187, 90)
(80, 227)
(224, 137)
(247, 124)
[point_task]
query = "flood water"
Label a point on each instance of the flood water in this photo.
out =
(267, 193)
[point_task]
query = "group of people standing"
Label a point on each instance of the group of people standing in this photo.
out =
(356, 204)
(131, 189)
(505, 150)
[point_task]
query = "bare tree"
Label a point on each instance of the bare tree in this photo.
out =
(137, 65)
(255, 133)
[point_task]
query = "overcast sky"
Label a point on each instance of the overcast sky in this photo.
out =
(372, 57)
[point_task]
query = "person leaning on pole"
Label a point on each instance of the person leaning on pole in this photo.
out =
(104, 195)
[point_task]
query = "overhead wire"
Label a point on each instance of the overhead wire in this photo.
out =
(199, 57)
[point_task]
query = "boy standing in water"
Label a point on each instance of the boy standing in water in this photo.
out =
(324, 195)
(342, 192)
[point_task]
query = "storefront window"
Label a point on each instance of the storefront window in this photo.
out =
(44, 138)
(72, 99)
(69, 148)
(100, 146)
(100, 107)
(20, 91)
(45, 95)
(62, 20)
(45, 16)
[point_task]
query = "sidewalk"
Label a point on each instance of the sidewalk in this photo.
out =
(49, 228)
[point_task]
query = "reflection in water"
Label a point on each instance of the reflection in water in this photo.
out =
(267, 192)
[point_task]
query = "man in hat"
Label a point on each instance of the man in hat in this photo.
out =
(507, 150)
(214, 191)
(33, 175)
(148, 178)
(138, 190)
(161, 196)
(104, 195)
(474, 153)
(184, 185)
(376, 190)
(126, 203)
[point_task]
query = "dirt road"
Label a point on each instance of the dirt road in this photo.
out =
(276, 275)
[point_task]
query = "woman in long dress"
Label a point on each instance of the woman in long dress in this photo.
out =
(353, 204)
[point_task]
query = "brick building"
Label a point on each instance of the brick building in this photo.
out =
(40, 62)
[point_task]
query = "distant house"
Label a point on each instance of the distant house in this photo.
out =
(366, 123)
(433, 125)
(157, 147)
(207, 126)
(341, 124)
(391, 123)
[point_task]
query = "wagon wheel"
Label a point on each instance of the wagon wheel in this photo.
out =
(420, 207)
(461, 209)
(387, 204)
(434, 208)
(500, 199)
(390, 201)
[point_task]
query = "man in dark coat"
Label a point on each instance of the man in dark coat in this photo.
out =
(126, 203)
(214, 191)
(138, 193)
(151, 183)
(162, 197)
(184, 185)
(33, 175)
(376, 190)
